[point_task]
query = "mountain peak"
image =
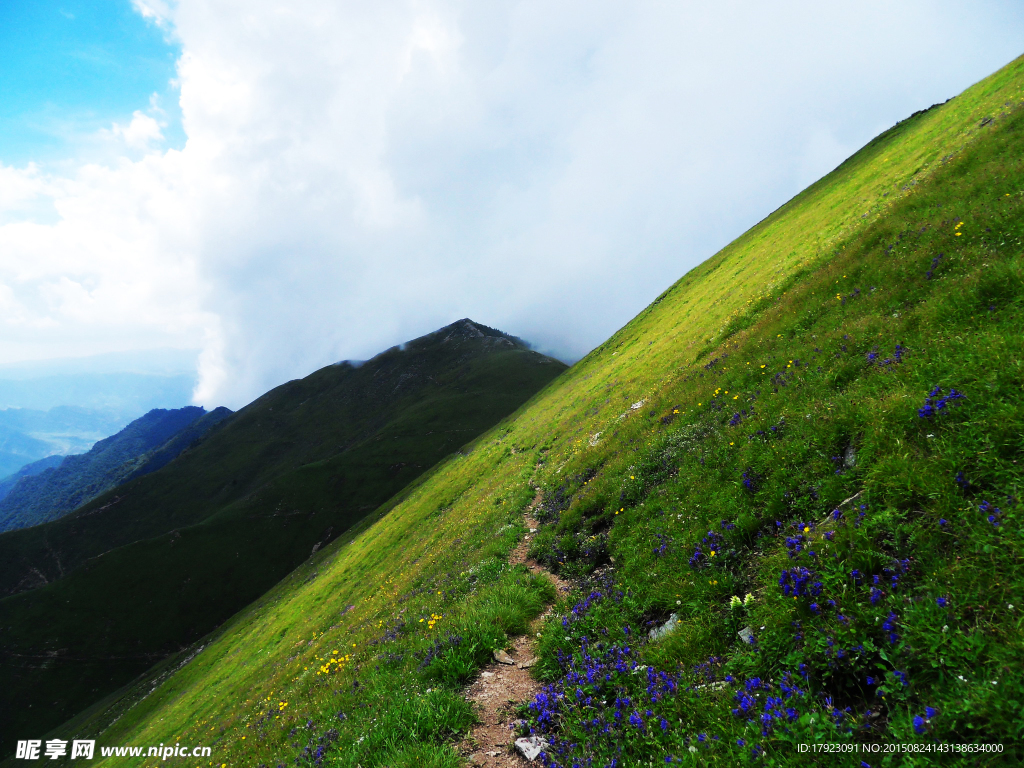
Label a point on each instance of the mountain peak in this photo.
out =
(466, 329)
(452, 334)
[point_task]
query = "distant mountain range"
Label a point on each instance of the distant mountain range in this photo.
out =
(121, 393)
(156, 562)
(108, 391)
(44, 493)
(27, 435)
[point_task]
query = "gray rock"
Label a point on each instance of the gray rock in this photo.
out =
(502, 657)
(527, 664)
(850, 457)
(717, 686)
(746, 635)
(846, 503)
(667, 628)
(530, 747)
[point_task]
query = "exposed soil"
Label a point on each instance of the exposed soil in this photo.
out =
(501, 687)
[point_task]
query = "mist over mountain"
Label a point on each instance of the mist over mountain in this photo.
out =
(115, 393)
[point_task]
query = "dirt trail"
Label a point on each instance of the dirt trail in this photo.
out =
(501, 687)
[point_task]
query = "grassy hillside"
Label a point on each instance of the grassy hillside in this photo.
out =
(815, 436)
(160, 561)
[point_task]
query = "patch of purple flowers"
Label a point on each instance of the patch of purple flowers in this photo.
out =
(712, 542)
(992, 513)
(751, 480)
(889, 626)
(663, 542)
(799, 581)
(775, 708)
(936, 402)
(874, 357)
(600, 683)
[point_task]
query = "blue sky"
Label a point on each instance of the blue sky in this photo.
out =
(70, 69)
(356, 174)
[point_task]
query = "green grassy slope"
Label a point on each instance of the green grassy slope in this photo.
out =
(162, 560)
(773, 403)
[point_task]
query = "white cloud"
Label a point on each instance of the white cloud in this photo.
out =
(140, 133)
(356, 174)
(113, 272)
(157, 11)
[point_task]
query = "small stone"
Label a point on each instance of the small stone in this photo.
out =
(717, 686)
(503, 658)
(486, 674)
(850, 457)
(530, 747)
(746, 635)
(659, 632)
(849, 501)
(527, 664)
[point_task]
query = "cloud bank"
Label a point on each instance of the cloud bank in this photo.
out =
(356, 174)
